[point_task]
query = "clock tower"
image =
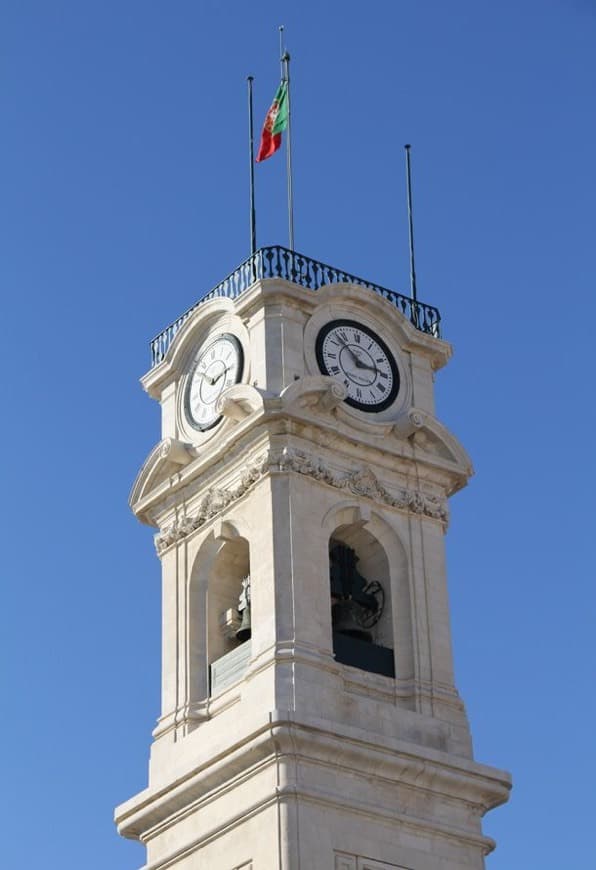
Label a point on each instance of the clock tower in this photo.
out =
(309, 719)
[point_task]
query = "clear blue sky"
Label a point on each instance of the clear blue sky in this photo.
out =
(124, 198)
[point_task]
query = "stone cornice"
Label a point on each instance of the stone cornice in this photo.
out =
(286, 739)
(437, 455)
(361, 482)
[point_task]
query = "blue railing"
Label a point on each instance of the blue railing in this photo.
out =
(278, 262)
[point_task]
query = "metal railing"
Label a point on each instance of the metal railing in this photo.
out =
(279, 262)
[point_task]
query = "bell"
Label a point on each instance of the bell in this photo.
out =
(344, 618)
(244, 631)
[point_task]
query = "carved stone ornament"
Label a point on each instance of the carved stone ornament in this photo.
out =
(408, 423)
(362, 482)
(175, 451)
(215, 501)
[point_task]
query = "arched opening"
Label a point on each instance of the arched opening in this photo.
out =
(228, 615)
(361, 600)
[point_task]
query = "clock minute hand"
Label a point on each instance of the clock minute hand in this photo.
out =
(204, 376)
(349, 350)
(220, 375)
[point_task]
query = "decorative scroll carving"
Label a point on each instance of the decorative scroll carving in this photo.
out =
(238, 401)
(333, 396)
(408, 423)
(215, 501)
(175, 451)
(362, 482)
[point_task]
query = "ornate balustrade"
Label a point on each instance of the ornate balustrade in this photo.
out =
(279, 262)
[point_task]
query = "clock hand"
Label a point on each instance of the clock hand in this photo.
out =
(213, 381)
(349, 350)
(357, 358)
(360, 364)
(220, 375)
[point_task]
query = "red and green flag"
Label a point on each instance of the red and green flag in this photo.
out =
(276, 122)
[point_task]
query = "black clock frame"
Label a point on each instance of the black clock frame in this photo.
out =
(354, 403)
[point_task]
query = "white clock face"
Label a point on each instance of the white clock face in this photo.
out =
(360, 360)
(217, 366)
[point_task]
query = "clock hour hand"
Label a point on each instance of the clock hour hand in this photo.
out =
(212, 381)
(209, 380)
(357, 358)
(360, 363)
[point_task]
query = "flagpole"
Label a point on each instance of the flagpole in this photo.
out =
(413, 293)
(251, 155)
(281, 49)
(286, 76)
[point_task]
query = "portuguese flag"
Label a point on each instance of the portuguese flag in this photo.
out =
(275, 121)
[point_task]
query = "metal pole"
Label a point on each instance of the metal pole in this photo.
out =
(251, 160)
(281, 49)
(286, 66)
(411, 228)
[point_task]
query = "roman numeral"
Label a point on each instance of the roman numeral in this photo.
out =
(334, 370)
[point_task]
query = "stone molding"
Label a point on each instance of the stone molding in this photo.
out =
(343, 861)
(361, 482)
(282, 739)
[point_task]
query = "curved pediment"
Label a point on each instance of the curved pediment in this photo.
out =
(360, 302)
(166, 459)
(434, 441)
(219, 310)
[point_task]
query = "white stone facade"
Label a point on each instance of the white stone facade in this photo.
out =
(304, 763)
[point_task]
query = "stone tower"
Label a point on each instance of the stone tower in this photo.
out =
(310, 719)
